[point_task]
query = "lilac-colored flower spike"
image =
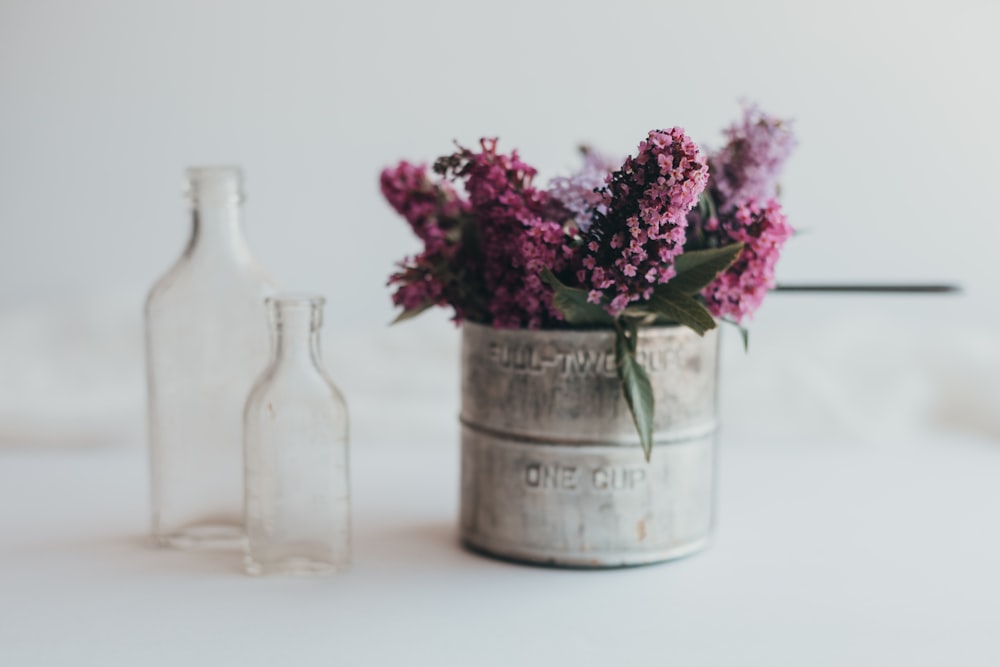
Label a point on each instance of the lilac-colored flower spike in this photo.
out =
(580, 192)
(750, 164)
(630, 248)
(743, 186)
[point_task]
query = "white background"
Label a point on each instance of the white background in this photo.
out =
(104, 103)
(859, 435)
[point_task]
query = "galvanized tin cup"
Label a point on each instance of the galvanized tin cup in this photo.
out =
(552, 468)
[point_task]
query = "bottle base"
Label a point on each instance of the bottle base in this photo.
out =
(292, 567)
(202, 536)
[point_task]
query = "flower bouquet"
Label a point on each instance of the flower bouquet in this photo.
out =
(671, 235)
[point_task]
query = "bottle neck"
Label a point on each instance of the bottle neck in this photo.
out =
(293, 346)
(217, 228)
(216, 197)
(296, 322)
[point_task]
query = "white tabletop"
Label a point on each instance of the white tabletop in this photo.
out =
(823, 556)
(857, 525)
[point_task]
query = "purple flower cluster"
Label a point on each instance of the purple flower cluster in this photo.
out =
(483, 254)
(521, 233)
(580, 192)
(418, 285)
(739, 291)
(630, 246)
(437, 276)
(749, 165)
(432, 209)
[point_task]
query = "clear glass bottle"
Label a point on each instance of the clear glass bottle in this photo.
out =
(295, 431)
(206, 342)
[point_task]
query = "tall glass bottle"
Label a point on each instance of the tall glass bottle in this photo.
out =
(295, 430)
(206, 342)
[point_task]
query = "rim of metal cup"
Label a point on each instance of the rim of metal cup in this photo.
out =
(478, 414)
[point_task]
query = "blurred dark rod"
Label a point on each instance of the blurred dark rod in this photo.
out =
(872, 289)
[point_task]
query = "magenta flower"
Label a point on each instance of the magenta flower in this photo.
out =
(444, 273)
(632, 243)
(482, 255)
(418, 284)
(431, 208)
(520, 231)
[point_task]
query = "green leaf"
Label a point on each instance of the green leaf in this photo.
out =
(573, 304)
(697, 268)
(706, 203)
(744, 333)
(410, 313)
(703, 205)
(632, 330)
(636, 387)
(681, 308)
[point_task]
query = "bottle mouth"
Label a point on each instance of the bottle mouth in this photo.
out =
(295, 300)
(223, 182)
(296, 310)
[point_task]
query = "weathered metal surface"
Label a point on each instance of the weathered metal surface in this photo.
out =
(552, 469)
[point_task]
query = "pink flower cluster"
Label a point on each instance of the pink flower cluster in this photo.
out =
(521, 233)
(739, 291)
(631, 245)
(743, 184)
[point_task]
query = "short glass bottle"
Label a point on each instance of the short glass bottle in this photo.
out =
(206, 342)
(296, 453)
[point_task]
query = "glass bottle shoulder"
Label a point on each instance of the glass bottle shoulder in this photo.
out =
(190, 277)
(283, 399)
(291, 384)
